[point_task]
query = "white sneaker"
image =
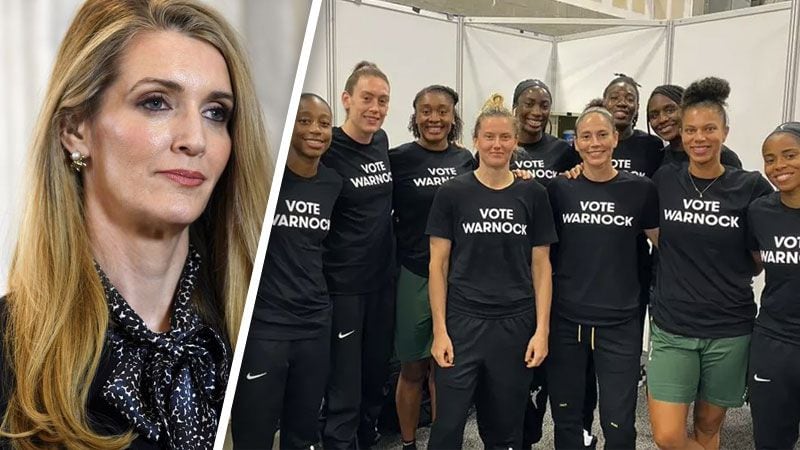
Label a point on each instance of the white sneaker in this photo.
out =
(588, 439)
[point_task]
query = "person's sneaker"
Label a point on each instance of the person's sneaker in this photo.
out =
(642, 376)
(410, 445)
(588, 439)
(368, 436)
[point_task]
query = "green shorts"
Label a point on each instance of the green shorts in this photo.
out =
(413, 333)
(683, 369)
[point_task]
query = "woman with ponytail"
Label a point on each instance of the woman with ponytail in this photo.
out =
(703, 306)
(490, 236)
(138, 233)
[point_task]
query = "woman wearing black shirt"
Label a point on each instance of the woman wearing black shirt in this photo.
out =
(285, 364)
(489, 241)
(358, 262)
(774, 226)
(418, 169)
(601, 212)
(542, 154)
(703, 307)
(664, 117)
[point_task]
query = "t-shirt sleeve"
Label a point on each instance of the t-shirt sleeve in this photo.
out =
(650, 211)
(543, 231)
(440, 218)
(761, 188)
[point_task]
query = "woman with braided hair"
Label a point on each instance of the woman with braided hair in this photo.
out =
(418, 169)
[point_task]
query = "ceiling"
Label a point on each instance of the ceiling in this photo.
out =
(514, 8)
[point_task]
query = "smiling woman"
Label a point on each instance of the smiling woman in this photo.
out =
(138, 233)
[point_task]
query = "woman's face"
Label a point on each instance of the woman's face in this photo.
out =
(622, 101)
(703, 132)
(533, 110)
(434, 116)
(159, 141)
(595, 140)
(312, 128)
(664, 116)
(496, 141)
(781, 153)
(368, 105)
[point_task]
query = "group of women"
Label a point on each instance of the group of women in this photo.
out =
(508, 289)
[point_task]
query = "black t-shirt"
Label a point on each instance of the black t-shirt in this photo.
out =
(492, 233)
(359, 249)
(292, 301)
(676, 156)
(775, 232)
(417, 174)
(546, 158)
(705, 271)
(640, 154)
(596, 260)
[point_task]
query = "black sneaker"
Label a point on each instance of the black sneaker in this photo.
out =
(368, 437)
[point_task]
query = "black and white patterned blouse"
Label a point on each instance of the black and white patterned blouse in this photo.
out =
(168, 386)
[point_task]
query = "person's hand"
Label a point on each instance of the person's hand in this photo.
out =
(442, 350)
(537, 350)
(524, 174)
(573, 173)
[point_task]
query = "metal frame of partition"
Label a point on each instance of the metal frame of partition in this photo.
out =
(619, 26)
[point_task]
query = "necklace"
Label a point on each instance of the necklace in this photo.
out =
(699, 192)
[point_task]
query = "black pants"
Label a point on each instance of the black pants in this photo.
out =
(362, 337)
(536, 405)
(774, 382)
(489, 371)
(615, 350)
(281, 383)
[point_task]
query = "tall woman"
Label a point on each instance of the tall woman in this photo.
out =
(418, 169)
(490, 236)
(358, 262)
(664, 117)
(142, 215)
(773, 223)
(542, 154)
(285, 364)
(703, 307)
(596, 306)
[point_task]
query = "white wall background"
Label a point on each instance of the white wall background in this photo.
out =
(749, 52)
(496, 62)
(31, 30)
(586, 66)
(413, 51)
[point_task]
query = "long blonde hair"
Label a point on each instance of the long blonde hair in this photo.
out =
(57, 314)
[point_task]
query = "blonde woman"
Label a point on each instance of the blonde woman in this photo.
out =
(490, 289)
(145, 198)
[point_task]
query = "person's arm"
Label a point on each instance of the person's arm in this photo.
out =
(652, 234)
(442, 348)
(758, 262)
(542, 274)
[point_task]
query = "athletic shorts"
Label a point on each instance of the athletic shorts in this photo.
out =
(683, 369)
(413, 334)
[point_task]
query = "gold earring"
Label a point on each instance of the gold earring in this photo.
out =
(78, 161)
